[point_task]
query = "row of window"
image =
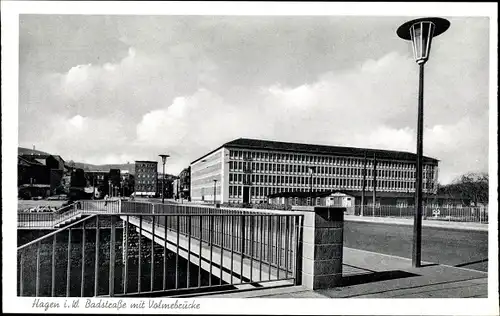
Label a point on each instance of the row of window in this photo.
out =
(150, 175)
(206, 170)
(235, 191)
(257, 167)
(207, 182)
(329, 181)
(315, 159)
(145, 182)
(206, 191)
(148, 188)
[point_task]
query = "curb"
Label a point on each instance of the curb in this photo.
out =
(425, 223)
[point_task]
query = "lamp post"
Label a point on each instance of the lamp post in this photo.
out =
(164, 160)
(215, 183)
(93, 186)
(420, 32)
(179, 188)
(311, 172)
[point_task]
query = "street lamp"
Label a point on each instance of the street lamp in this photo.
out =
(420, 32)
(215, 183)
(311, 172)
(164, 160)
(93, 186)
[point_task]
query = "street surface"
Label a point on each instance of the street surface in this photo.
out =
(461, 248)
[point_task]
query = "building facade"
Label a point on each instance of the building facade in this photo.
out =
(249, 171)
(146, 178)
(185, 183)
(40, 169)
(176, 188)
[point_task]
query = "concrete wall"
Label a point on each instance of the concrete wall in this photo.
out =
(321, 254)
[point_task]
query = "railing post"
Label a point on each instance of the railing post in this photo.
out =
(322, 253)
(243, 229)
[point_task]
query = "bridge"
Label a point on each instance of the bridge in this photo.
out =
(125, 248)
(129, 249)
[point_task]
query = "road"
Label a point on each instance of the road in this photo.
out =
(467, 249)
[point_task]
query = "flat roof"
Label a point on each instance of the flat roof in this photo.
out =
(257, 144)
(150, 161)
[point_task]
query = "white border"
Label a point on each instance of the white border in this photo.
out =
(10, 37)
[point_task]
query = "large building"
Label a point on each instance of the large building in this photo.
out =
(250, 170)
(146, 178)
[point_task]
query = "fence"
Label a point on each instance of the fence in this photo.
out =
(454, 214)
(236, 247)
(65, 213)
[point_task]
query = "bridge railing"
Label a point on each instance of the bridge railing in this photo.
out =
(44, 219)
(248, 224)
(50, 220)
(454, 214)
(89, 257)
(35, 220)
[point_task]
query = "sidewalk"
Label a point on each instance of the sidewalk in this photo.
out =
(425, 223)
(373, 275)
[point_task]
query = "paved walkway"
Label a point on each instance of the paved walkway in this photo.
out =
(427, 222)
(373, 275)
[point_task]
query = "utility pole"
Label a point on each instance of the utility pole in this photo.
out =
(374, 183)
(164, 160)
(93, 185)
(363, 191)
(215, 183)
(311, 171)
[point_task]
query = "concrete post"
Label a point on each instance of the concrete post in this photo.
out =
(322, 242)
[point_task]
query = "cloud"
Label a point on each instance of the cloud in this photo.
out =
(153, 85)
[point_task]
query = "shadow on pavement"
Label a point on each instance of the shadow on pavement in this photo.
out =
(375, 277)
(429, 265)
(471, 263)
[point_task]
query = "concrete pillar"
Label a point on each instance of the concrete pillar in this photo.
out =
(321, 246)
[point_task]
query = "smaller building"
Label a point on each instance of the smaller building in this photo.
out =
(146, 178)
(185, 183)
(348, 199)
(339, 199)
(176, 188)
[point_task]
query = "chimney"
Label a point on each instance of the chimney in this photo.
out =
(33, 147)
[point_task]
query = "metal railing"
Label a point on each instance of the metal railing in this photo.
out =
(66, 213)
(453, 214)
(201, 249)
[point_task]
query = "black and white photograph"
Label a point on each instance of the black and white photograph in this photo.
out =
(183, 157)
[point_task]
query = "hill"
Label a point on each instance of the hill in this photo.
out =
(85, 166)
(90, 167)
(27, 151)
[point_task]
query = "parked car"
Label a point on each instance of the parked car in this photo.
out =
(57, 197)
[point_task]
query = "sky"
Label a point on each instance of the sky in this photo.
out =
(114, 89)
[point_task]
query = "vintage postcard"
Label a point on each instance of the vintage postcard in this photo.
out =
(326, 158)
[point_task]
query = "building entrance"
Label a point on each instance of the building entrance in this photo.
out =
(246, 195)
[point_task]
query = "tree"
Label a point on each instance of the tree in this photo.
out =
(471, 187)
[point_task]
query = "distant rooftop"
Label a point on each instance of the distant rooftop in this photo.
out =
(257, 144)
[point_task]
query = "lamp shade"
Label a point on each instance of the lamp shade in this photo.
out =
(164, 158)
(420, 32)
